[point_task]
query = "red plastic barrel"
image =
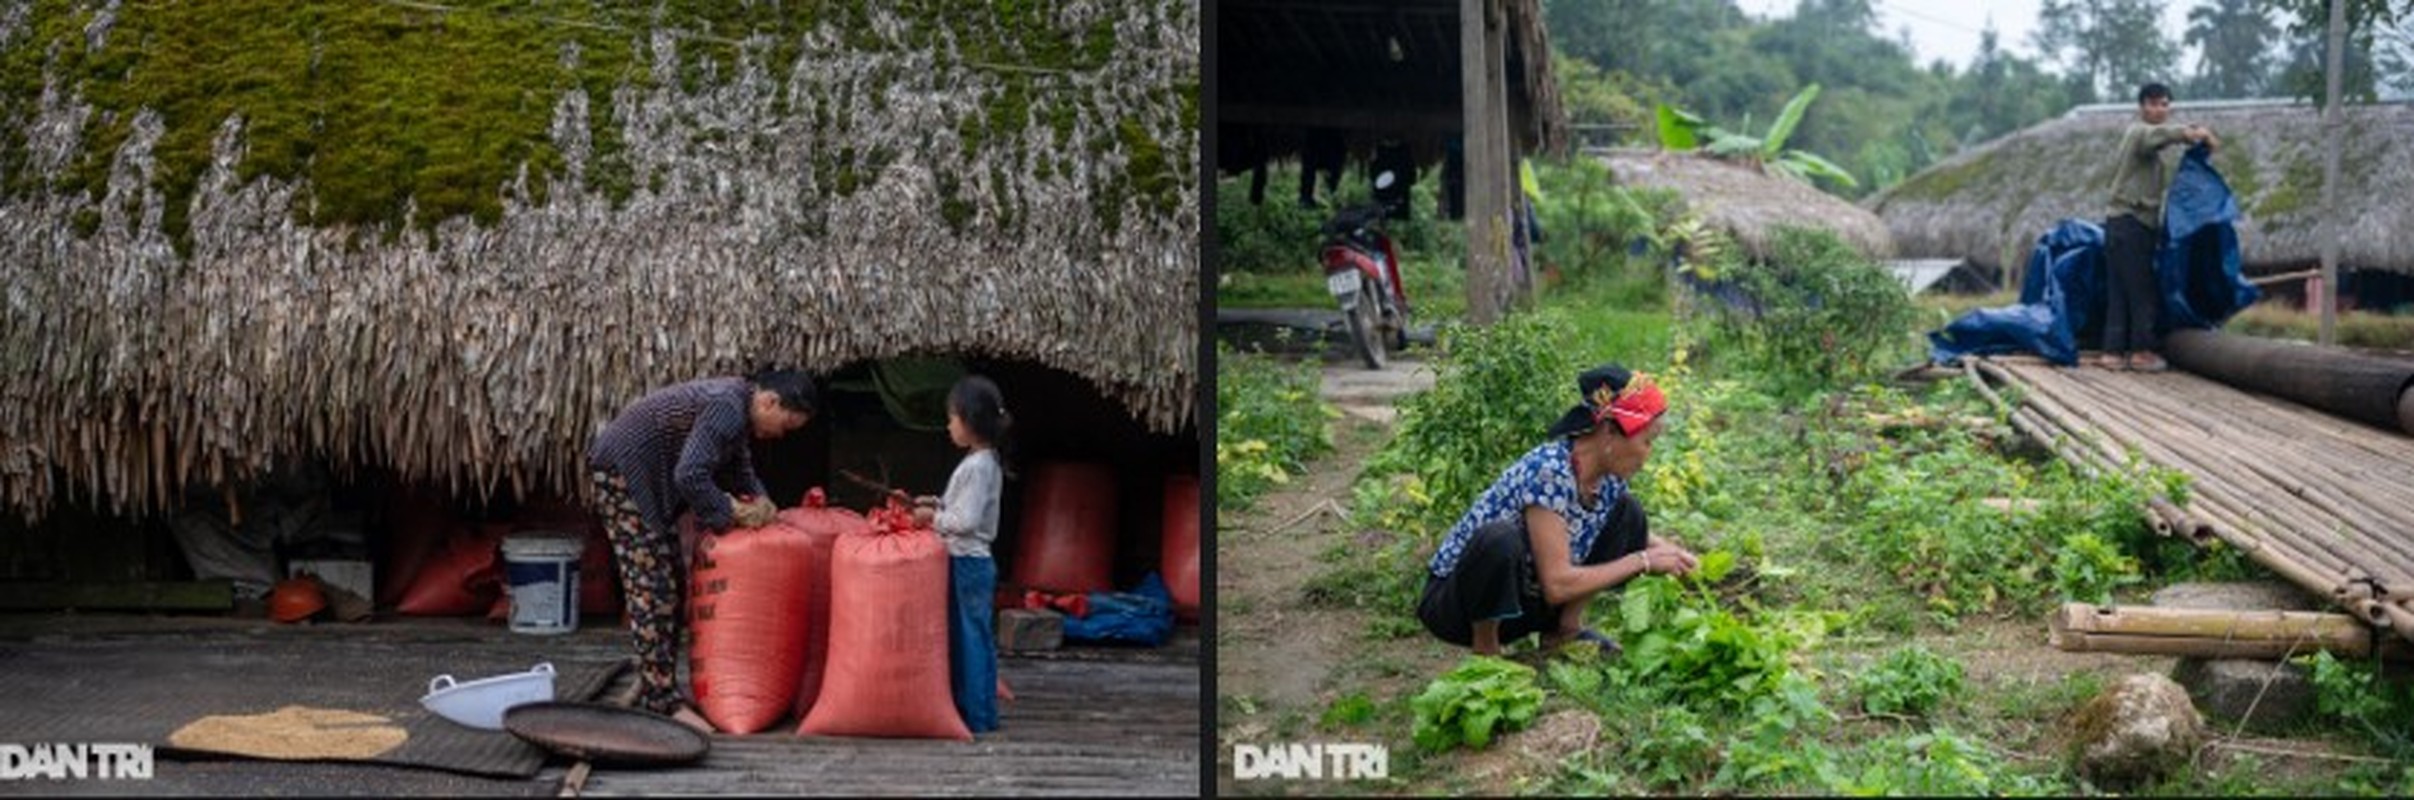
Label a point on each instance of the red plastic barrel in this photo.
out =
(1067, 541)
(1178, 558)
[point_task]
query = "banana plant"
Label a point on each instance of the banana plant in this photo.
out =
(1683, 130)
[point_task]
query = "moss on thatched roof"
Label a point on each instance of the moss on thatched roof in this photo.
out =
(453, 241)
(1990, 203)
(1746, 201)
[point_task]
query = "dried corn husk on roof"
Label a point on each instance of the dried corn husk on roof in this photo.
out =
(1747, 201)
(1990, 203)
(870, 186)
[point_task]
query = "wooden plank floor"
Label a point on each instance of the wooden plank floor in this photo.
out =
(1120, 727)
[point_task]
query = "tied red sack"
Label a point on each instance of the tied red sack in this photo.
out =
(747, 602)
(887, 673)
(822, 527)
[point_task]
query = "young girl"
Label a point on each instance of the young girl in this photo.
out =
(966, 517)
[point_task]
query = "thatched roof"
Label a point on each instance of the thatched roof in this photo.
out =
(1746, 201)
(802, 185)
(1989, 204)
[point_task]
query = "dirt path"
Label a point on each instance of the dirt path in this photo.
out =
(1280, 661)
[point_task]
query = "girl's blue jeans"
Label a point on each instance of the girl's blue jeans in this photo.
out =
(972, 639)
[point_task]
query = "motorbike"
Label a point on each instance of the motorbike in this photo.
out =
(1362, 270)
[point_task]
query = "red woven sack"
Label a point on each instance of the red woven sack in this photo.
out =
(747, 601)
(821, 526)
(1067, 540)
(462, 579)
(419, 524)
(1178, 559)
(887, 673)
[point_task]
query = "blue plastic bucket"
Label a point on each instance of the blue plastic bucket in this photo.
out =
(541, 573)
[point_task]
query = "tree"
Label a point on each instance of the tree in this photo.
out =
(2376, 31)
(1681, 130)
(2001, 93)
(1646, 38)
(2394, 50)
(2233, 44)
(2308, 55)
(1614, 99)
(2111, 46)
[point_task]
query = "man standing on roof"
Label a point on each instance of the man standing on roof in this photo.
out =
(2132, 300)
(1556, 528)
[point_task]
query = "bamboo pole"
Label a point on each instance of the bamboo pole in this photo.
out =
(2175, 455)
(2394, 649)
(2351, 445)
(2273, 554)
(2279, 559)
(2267, 625)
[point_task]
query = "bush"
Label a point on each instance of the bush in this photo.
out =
(2088, 569)
(1280, 237)
(1681, 637)
(2352, 693)
(1921, 521)
(1498, 388)
(1467, 704)
(1275, 237)
(1911, 680)
(1591, 226)
(1814, 316)
(1269, 422)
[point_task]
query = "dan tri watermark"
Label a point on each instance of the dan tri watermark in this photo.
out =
(1346, 761)
(59, 762)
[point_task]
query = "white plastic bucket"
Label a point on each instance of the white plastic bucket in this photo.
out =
(541, 573)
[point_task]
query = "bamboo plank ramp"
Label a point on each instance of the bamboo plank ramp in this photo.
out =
(2325, 502)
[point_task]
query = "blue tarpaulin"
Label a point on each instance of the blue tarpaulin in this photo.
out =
(1143, 615)
(2062, 295)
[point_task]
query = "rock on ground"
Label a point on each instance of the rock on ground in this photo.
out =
(2251, 596)
(2137, 731)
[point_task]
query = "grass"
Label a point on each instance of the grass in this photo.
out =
(1437, 289)
(1861, 503)
(2280, 320)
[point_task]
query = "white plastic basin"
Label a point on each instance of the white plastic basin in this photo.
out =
(481, 703)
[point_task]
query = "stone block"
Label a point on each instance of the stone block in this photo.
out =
(2227, 688)
(2251, 596)
(1024, 629)
(2277, 692)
